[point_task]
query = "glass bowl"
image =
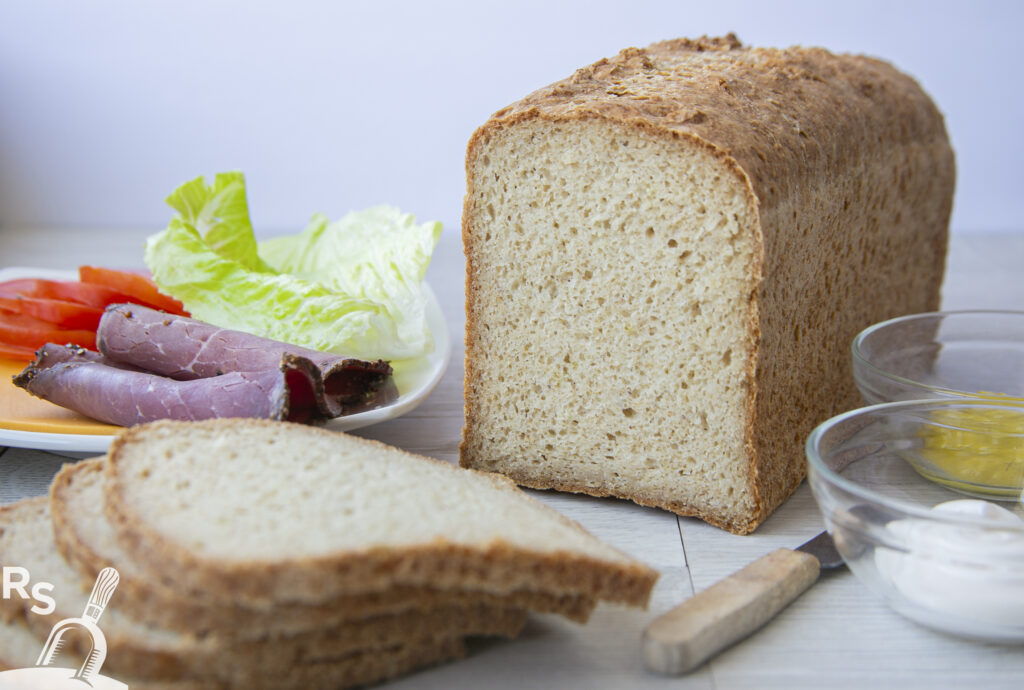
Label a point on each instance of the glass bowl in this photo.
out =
(951, 562)
(941, 355)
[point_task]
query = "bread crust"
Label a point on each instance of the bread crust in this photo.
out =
(788, 123)
(496, 568)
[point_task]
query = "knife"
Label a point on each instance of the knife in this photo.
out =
(682, 639)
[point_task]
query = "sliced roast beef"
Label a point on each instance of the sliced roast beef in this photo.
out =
(186, 349)
(115, 393)
(50, 354)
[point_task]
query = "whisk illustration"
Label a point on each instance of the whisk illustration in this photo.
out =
(106, 583)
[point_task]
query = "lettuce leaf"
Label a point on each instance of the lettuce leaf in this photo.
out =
(353, 287)
(220, 214)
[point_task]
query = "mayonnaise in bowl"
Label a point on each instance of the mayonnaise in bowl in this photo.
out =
(959, 575)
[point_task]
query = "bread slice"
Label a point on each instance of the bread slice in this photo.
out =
(26, 540)
(87, 542)
(668, 255)
(19, 649)
(361, 650)
(190, 503)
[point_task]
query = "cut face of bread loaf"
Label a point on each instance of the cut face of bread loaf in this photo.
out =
(668, 255)
(262, 513)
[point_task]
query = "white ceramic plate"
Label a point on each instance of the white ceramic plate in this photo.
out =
(415, 380)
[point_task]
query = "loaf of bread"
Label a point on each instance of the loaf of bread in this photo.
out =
(668, 254)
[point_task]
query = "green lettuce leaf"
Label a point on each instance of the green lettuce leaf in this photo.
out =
(352, 287)
(220, 214)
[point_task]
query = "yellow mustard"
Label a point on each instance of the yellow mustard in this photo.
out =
(980, 451)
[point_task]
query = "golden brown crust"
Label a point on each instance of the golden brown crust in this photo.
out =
(784, 115)
(808, 131)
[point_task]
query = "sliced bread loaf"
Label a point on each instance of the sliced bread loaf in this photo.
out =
(254, 511)
(86, 541)
(668, 255)
(26, 540)
(19, 649)
(364, 649)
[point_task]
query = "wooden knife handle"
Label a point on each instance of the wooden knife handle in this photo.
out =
(684, 638)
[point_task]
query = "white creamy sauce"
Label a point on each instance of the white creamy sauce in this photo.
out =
(963, 571)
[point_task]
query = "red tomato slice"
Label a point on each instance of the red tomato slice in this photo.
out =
(55, 311)
(16, 352)
(141, 289)
(20, 286)
(97, 296)
(29, 332)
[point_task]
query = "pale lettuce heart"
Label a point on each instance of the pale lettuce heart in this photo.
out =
(353, 287)
(379, 255)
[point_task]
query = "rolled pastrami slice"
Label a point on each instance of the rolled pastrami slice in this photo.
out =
(183, 348)
(82, 381)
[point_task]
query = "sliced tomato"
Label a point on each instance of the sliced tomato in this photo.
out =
(56, 311)
(23, 331)
(16, 352)
(139, 288)
(90, 294)
(21, 286)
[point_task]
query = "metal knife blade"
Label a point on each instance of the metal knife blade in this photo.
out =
(823, 548)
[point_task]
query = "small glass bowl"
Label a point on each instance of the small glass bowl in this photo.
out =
(958, 568)
(953, 354)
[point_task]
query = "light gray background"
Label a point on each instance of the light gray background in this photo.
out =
(106, 105)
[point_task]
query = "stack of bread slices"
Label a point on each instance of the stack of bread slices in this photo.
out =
(269, 555)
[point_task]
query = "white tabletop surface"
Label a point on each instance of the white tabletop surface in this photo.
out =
(834, 636)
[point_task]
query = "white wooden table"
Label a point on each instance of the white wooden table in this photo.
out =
(835, 636)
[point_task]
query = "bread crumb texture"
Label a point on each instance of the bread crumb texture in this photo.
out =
(191, 483)
(270, 512)
(88, 543)
(668, 254)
